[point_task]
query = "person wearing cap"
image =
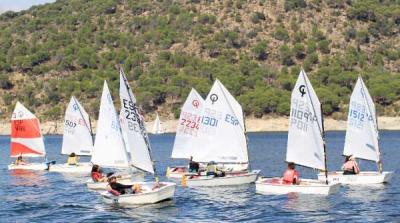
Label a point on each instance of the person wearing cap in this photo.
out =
(291, 176)
(350, 166)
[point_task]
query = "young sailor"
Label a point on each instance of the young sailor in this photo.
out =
(72, 159)
(96, 174)
(122, 188)
(20, 161)
(193, 166)
(350, 166)
(291, 176)
(212, 170)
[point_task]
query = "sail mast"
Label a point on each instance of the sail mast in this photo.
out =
(319, 126)
(379, 163)
(139, 120)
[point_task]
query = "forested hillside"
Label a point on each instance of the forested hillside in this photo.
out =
(256, 48)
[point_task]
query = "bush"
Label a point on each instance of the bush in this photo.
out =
(259, 50)
(286, 55)
(299, 51)
(281, 33)
(323, 46)
(257, 17)
(294, 4)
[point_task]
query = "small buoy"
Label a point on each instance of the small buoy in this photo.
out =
(183, 182)
(167, 172)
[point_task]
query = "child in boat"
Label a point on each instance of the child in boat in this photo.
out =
(97, 175)
(291, 176)
(72, 159)
(20, 161)
(193, 166)
(350, 166)
(212, 170)
(122, 188)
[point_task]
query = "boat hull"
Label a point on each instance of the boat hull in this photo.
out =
(228, 180)
(367, 177)
(30, 166)
(148, 196)
(179, 171)
(307, 186)
(65, 168)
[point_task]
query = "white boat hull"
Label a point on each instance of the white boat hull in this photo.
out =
(65, 168)
(179, 171)
(306, 186)
(228, 180)
(361, 178)
(147, 196)
(30, 166)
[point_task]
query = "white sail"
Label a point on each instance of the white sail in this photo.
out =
(305, 143)
(222, 135)
(77, 137)
(362, 131)
(187, 139)
(157, 126)
(109, 149)
(26, 137)
(133, 125)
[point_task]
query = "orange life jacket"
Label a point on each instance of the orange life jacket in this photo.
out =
(290, 176)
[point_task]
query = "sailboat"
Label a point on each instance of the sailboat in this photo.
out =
(140, 153)
(188, 128)
(306, 144)
(77, 138)
(157, 126)
(221, 138)
(362, 139)
(109, 146)
(26, 138)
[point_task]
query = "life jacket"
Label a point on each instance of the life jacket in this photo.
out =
(211, 168)
(351, 165)
(96, 176)
(290, 176)
(72, 160)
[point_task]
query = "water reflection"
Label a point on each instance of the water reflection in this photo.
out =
(28, 178)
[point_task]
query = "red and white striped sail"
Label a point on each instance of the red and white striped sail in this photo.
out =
(26, 138)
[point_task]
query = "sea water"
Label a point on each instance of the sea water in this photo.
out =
(28, 196)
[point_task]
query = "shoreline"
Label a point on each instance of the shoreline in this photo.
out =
(278, 124)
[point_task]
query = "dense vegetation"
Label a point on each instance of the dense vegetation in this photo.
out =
(256, 48)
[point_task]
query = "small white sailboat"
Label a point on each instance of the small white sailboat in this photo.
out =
(306, 144)
(186, 140)
(77, 138)
(26, 138)
(109, 147)
(140, 153)
(157, 126)
(220, 137)
(362, 139)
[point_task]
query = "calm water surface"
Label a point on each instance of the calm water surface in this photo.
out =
(27, 196)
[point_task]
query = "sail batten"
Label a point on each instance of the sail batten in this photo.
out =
(26, 138)
(305, 137)
(133, 126)
(362, 132)
(109, 148)
(77, 137)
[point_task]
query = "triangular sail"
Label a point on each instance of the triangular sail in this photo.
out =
(77, 136)
(222, 129)
(305, 138)
(26, 138)
(133, 125)
(157, 126)
(187, 140)
(109, 149)
(362, 131)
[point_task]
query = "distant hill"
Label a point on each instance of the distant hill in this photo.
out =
(256, 48)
